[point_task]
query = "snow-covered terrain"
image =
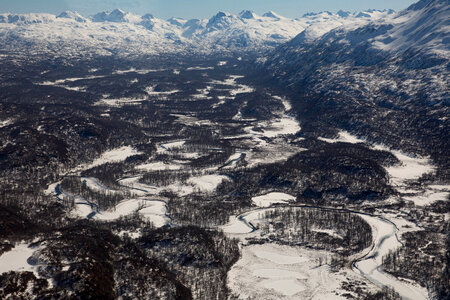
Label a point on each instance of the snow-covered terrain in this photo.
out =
(272, 198)
(257, 259)
(271, 271)
(411, 167)
(385, 240)
(17, 259)
(118, 31)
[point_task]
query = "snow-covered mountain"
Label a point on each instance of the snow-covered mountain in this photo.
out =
(423, 27)
(120, 32)
(393, 70)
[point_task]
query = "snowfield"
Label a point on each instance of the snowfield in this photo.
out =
(17, 259)
(207, 183)
(272, 271)
(154, 211)
(272, 198)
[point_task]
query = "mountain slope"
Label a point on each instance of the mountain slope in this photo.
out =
(379, 81)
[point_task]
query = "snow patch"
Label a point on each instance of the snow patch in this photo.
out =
(272, 198)
(207, 183)
(17, 259)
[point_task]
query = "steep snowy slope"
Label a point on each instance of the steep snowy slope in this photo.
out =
(378, 80)
(119, 32)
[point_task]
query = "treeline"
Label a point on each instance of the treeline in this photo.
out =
(201, 258)
(103, 199)
(424, 258)
(165, 177)
(341, 232)
(85, 260)
(205, 211)
(324, 174)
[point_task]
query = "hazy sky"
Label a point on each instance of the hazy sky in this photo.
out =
(197, 8)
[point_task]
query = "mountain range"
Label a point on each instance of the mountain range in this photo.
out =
(121, 32)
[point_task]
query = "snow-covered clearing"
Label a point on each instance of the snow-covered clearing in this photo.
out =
(426, 197)
(151, 91)
(272, 198)
(171, 145)
(154, 211)
(199, 68)
(410, 168)
(271, 271)
(277, 127)
(66, 80)
(344, 137)
(120, 102)
(95, 185)
(207, 183)
(233, 88)
(140, 71)
(114, 155)
(17, 259)
(158, 166)
(233, 160)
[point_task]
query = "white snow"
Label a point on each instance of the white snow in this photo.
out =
(172, 145)
(17, 259)
(119, 102)
(272, 271)
(277, 273)
(281, 258)
(151, 91)
(428, 196)
(287, 287)
(410, 168)
(157, 166)
(199, 68)
(272, 198)
(5, 123)
(95, 185)
(114, 155)
(152, 210)
(235, 226)
(207, 183)
(345, 137)
(283, 126)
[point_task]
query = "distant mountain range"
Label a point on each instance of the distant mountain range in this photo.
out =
(120, 32)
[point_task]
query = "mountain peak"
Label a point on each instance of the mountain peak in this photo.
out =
(247, 14)
(219, 20)
(343, 14)
(116, 15)
(147, 17)
(272, 14)
(73, 15)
